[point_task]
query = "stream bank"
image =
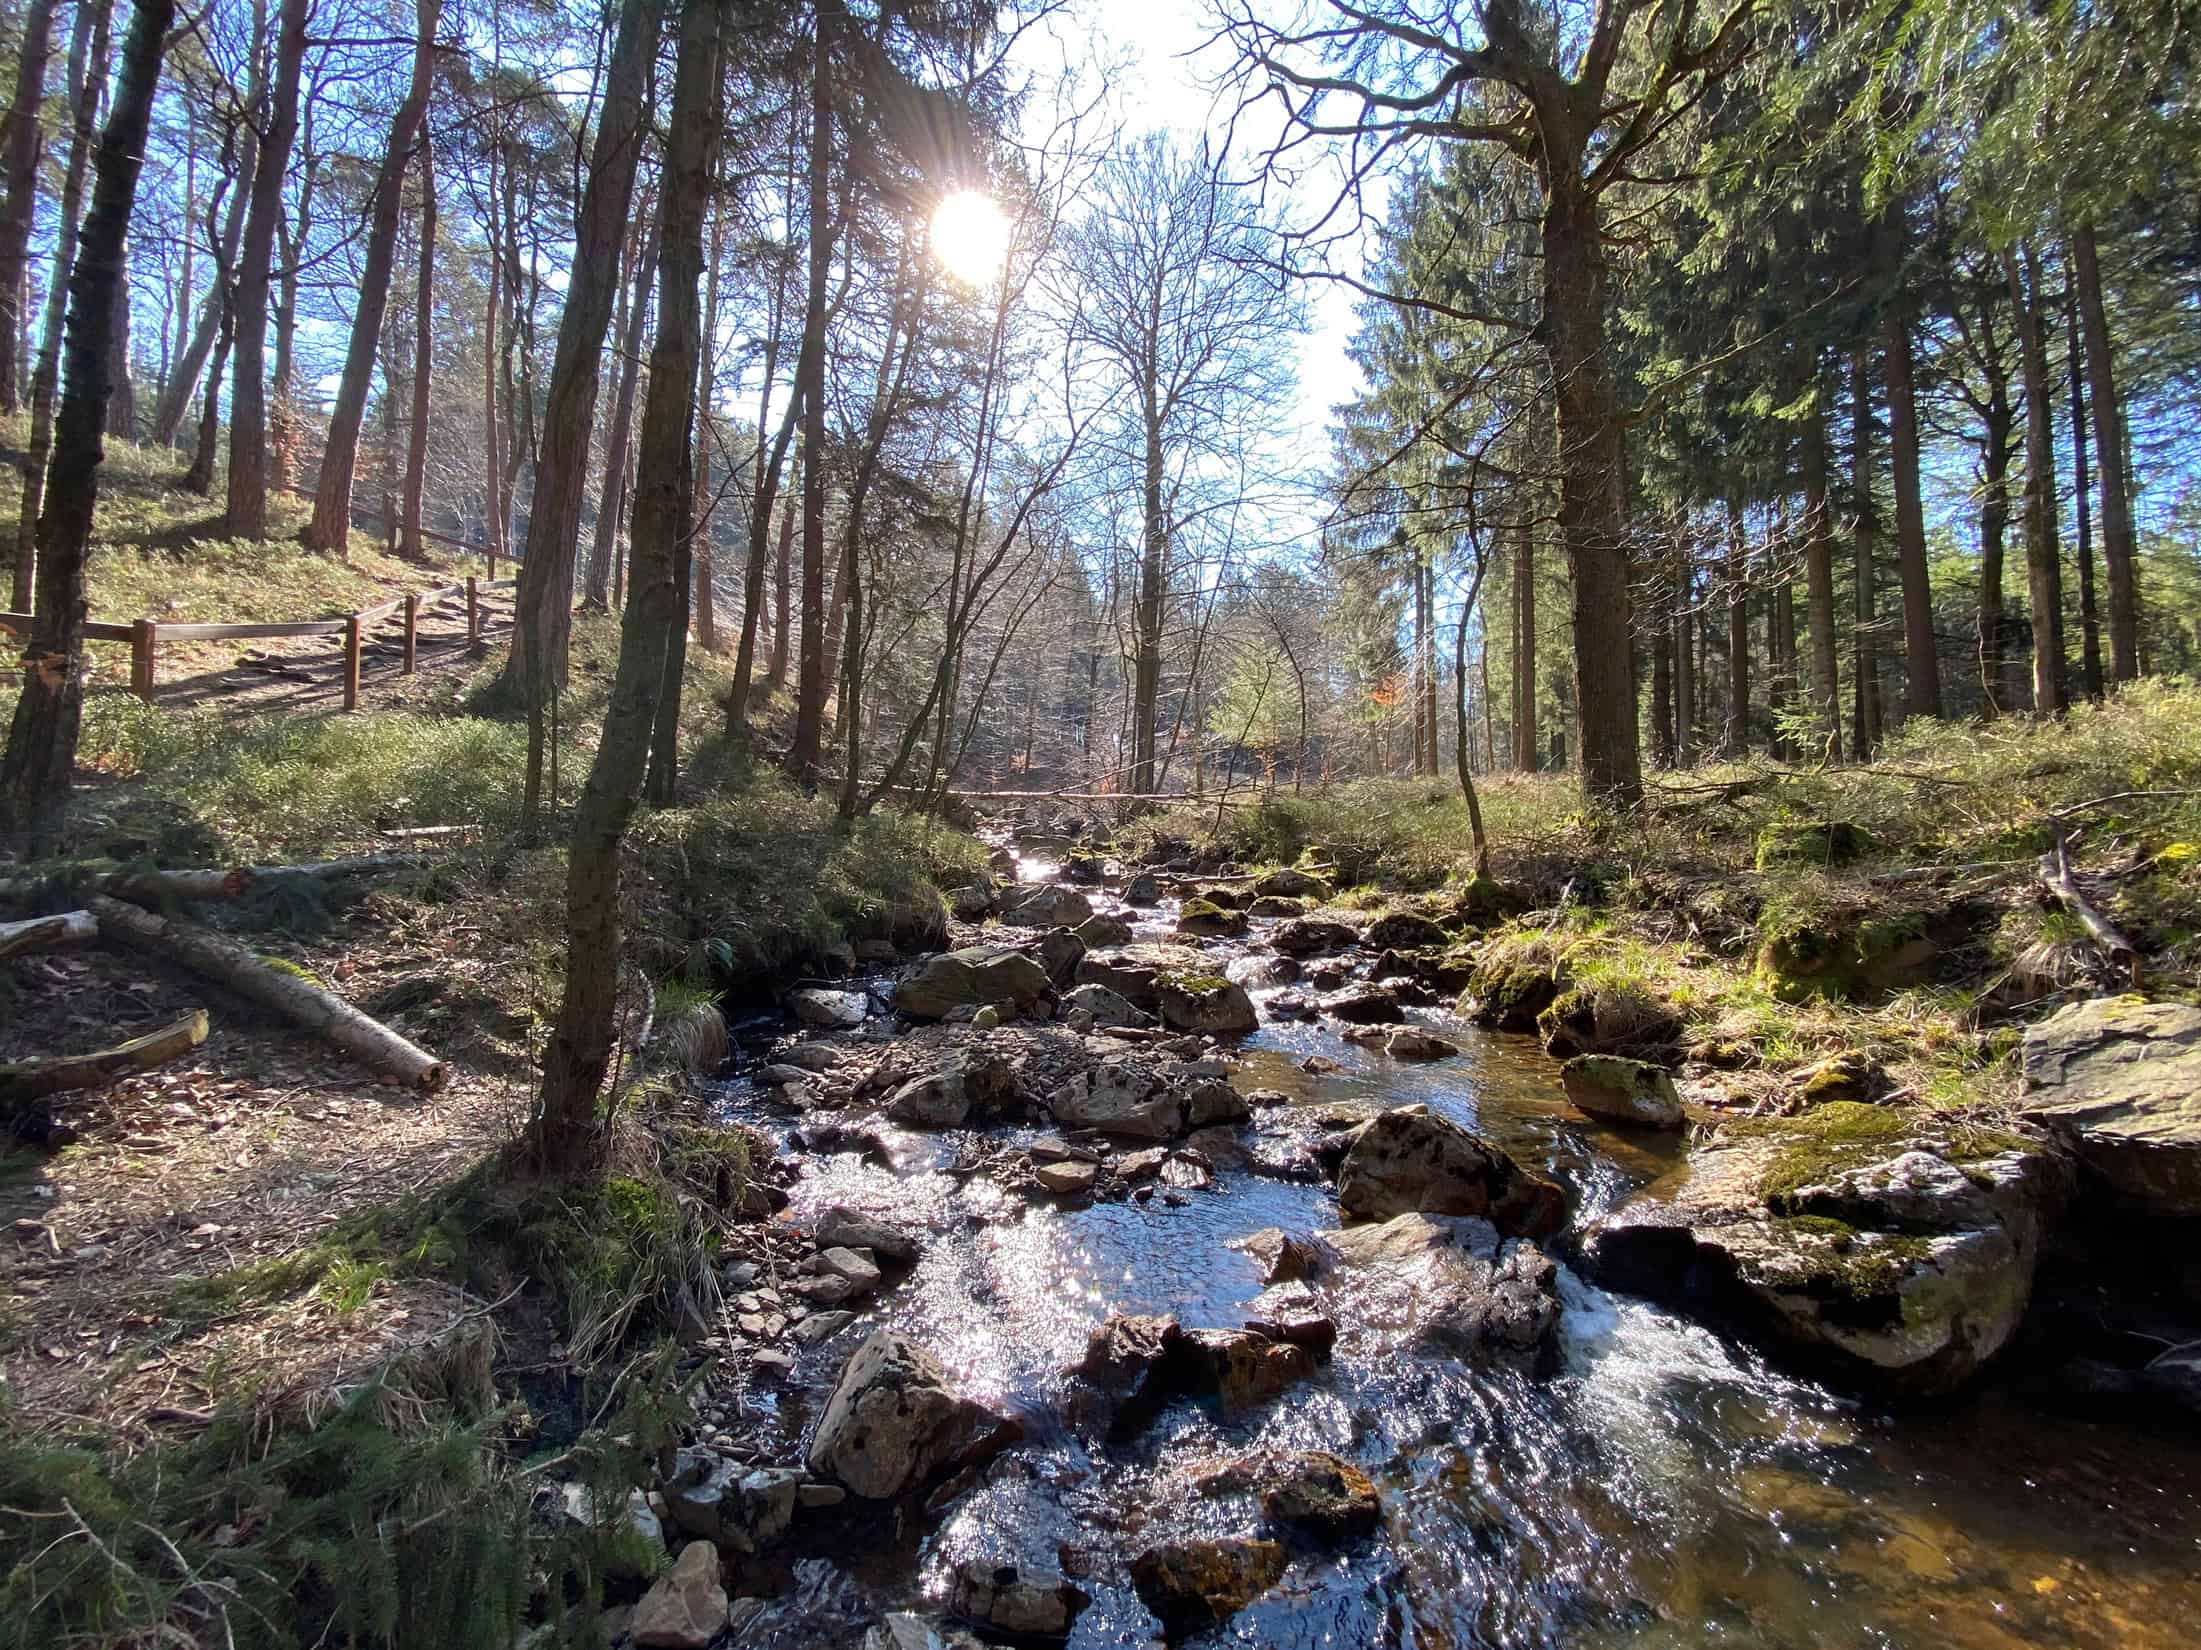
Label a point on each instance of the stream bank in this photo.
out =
(1160, 1369)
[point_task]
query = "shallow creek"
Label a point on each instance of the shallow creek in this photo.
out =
(1666, 1488)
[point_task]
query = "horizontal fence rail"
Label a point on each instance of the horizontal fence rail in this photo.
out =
(146, 635)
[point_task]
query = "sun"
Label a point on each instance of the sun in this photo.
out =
(970, 236)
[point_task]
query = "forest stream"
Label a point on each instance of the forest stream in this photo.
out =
(1663, 1486)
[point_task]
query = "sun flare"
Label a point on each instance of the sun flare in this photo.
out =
(970, 236)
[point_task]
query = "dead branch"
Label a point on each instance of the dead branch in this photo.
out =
(2063, 888)
(289, 993)
(44, 933)
(22, 1080)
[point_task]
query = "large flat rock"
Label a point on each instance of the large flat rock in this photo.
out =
(2120, 1081)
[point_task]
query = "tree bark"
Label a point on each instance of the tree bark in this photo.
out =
(1994, 521)
(564, 1134)
(706, 435)
(32, 1079)
(1737, 737)
(2043, 558)
(2090, 629)
(122, 402)
(424, 360)
(1147, 616)
(1577, 303)
(87, 75)
(810, 684)
(1826, 686)
(2118, 548)
(240, 147)
(36, 773)
(331, 527)
(1921, 655)
(25, 140)
(1865, 726)
(783, 580)
(1684, 632)
(618, 444)
(543, 608)
(1524, 646)
(248, 454)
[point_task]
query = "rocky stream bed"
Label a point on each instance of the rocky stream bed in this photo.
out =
(1173, 1266)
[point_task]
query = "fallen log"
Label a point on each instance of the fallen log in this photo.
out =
(2063, 888)
(44, 933)
(22, 1080)
(290, 994)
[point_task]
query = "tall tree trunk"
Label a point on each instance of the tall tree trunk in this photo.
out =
(2118, 548)
(1662, 677)
(1577, 304)
(1921, 655)
(172, 359)
(424, 358)
(293, 234)
(810, 684)
(1826, 685)
(1865, 725)
(1994, 520)
(2043, 557)
(2090, 630)
(26, 138)
(122, 404)
(216, 319)
(248, 454)
(36, 772)
(564, 1133)
(1738, 633)
(706, 436)
(783, 579)
(331, 526)
(1685, 663)
(494, 521)
(87, 77)
(543, 610)
(199, 477)
(1524, 647)
(1147, 617)
(603, 554)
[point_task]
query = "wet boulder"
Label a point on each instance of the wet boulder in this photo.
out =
(1133, 971)
(1106, 1007)
(1414, 1043)
(1898, 1265)
(1059, 951)
(1289, 883)
(832, 1010)
(1124, 1377)
(1275, 905)
(1283, 1257)
(976, 1087)
(1240, 1366)
(1609, 1020)
(1306, 936)
(1101, 932)
(973, 902)
(1617, 1090)
(1403, 931)
(844, 1228)
(742, 1508)
(1133, 1097)
(974, 977)
(1204, 919)
(1291, 1312)
(1451, 1284)
(903, 1630)
(1204, 1003)
(894, 1422)
(2119, 1080)
(1313, 1493)
(1018, 1600)
(1411, 1162)
(1368, 1005)
(1053, 906)
(1196, 1584)
(1851, 1075)
(1142, 890)
(686, 1608)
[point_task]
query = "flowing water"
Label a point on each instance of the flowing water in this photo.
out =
(1666, 1488)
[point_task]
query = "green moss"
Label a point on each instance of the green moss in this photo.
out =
(1863, 1266)
(1825, 843)
(1823, 1142)
(1195, 985)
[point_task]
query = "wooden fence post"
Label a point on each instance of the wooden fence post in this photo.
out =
(412, 632)
(143, 634)
(473, 613)
(351, 661)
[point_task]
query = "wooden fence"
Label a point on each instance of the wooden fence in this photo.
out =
(146, 635)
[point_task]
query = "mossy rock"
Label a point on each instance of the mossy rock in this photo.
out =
(1508, 996)
(1851, 1075)
(1207, 920)
(1827, 843)
(1608, 1020)
(1831, 955)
